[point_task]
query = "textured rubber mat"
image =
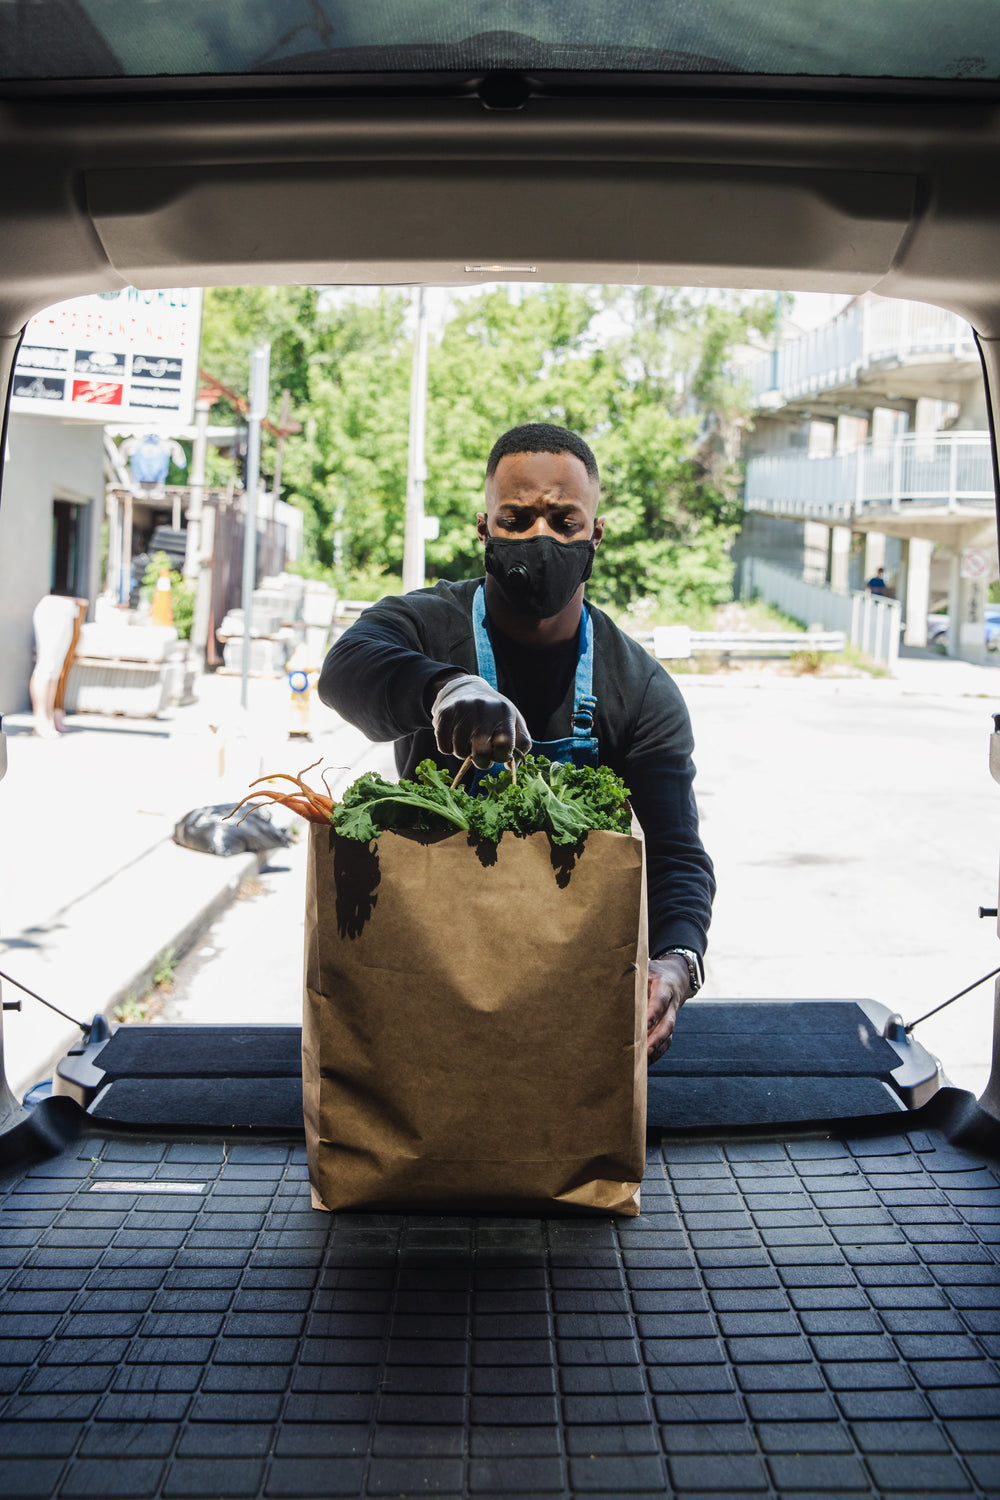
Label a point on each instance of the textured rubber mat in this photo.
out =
(674, 1103)
(731, 1064)
(203, 1103)
(203, 1052)
(714, 1038)
(814, 1038)
(788, 1318)
(680, 1103)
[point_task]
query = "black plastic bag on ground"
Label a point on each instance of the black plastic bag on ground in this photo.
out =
(206, 829)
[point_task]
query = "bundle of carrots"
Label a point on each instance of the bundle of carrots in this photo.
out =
(314, 806)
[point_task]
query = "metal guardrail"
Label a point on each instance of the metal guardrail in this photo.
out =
(944, 469)
(679, 642)
(870, 331)
(871, 624)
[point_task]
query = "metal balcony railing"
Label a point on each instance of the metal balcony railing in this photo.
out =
(941, 470)
(869, 332)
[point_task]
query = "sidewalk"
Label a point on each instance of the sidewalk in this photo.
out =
(919, 670)
(92, 887)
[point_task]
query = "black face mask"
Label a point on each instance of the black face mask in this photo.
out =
(537, 574)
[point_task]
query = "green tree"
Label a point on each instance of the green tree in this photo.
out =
(640, 372)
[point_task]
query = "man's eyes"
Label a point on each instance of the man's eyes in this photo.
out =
(522, 523)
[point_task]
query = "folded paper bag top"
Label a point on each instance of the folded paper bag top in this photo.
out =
(474, 1032)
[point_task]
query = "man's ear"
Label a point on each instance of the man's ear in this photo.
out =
(481, 529)
(598, 531)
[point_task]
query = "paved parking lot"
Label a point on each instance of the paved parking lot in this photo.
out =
(856, 830)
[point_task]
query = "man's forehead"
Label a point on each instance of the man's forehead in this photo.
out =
(525, 478)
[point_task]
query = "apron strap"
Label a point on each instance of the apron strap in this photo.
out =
(584, 702)
(485, 660)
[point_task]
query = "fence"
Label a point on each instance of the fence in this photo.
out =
(871, 624)
(868, 331)
(941, 469)
(227, 564)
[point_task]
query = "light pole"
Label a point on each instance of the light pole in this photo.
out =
(260, 361)
(416, 468)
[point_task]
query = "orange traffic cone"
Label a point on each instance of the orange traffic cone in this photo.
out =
(162, 612)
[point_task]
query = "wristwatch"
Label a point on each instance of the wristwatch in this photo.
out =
(693, 959)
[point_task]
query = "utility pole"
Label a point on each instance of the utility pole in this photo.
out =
(416, 468)
(279, 447)
(260, 363)
(200, 537)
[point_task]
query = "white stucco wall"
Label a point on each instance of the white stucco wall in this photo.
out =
(46, 460)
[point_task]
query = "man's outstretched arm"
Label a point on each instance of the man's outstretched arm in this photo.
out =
(378, 674)
(379, 679)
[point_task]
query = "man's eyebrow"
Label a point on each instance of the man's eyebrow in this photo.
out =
(530, 507)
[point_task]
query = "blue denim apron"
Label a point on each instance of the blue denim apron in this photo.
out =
(580, 747)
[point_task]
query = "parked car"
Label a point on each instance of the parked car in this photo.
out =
(937, 628)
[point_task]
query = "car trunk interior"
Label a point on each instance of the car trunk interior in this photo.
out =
(809, 1301)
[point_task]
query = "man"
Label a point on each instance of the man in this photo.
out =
(492, 667)
(877, 584)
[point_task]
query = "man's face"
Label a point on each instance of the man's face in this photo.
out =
(541, 494)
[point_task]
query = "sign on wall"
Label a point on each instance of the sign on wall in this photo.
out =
(113, 357)
(975, 563)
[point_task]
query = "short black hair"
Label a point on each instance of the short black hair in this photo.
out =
(541, 437)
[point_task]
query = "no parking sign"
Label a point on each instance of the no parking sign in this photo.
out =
(975, 563)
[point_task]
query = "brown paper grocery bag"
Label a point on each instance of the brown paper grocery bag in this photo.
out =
(475, 1022)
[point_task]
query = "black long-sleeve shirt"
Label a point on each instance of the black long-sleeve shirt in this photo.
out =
(378, 674)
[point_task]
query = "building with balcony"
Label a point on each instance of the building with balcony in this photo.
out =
(870, 450)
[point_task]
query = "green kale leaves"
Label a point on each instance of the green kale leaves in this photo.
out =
(562, 800)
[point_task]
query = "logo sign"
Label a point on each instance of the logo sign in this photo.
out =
(33, 357)
(41, 388)
(157, 367)
(98, 392)
(975, 563)
(99, 362)
(134, 351)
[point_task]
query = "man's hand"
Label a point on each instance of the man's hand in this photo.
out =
(668, 986)
(472, 718)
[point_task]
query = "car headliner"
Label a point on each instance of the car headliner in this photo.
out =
(455, 180)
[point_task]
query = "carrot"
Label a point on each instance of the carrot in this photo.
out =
(296, 804)
(323, 805)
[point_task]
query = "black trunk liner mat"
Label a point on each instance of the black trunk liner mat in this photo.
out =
(765, 1064)
(793, 1318)
(714, 1038)
(203, 1103)
(203, 1052)
(674, 1103)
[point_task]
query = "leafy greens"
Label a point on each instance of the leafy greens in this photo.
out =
(553, 797)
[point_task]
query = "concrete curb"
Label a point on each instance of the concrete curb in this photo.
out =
(165, 900)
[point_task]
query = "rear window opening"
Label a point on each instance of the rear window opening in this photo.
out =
(805, 536)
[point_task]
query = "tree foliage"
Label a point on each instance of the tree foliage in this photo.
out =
(641, 373)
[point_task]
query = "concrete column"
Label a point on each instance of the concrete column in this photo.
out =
(815, 551)
(917, 596)
(966, 606)
(840, 558)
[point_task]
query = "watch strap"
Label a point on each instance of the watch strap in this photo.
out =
(695, 964)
